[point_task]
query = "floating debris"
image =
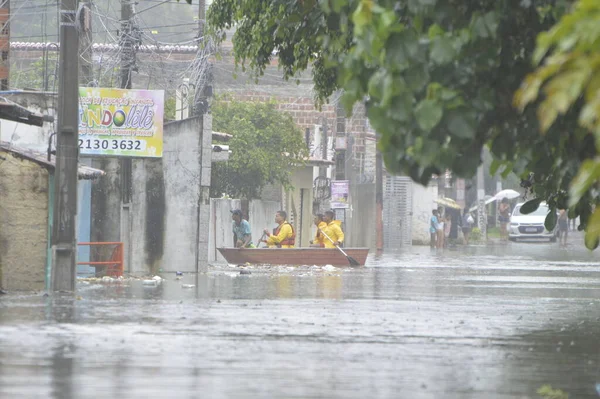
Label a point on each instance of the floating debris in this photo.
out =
(187, 285)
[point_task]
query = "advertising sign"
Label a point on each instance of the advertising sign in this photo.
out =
(339, 194)
(121, 122)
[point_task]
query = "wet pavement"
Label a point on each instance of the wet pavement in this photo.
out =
(476, 322)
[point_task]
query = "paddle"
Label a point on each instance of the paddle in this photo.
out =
(353, 262)
(260, 241)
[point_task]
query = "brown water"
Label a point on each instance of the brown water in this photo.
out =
(496, 322)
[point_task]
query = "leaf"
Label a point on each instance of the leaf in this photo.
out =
(416, 77)
(434, 31)
(460, 125)
(428, 114)
(551, 219)
(588, 174)
(495, 165)
(592, 232)
(400, 47)
(401, 107)
(485, 26)
(531, 206)
(442, 52)
(591, 242)
(362, 16)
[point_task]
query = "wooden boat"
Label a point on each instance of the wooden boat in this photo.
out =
(293, 256)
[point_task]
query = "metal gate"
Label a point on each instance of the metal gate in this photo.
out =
(397, 212)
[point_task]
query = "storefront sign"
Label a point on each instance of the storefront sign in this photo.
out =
(121, 122)
(340, 190)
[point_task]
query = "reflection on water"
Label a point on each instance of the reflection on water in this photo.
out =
(471, 323)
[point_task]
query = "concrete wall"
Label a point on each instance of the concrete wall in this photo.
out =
(23, 223)
(298, 204)
(422, 206)
(169, 214)
(360, 218)
(166, 215)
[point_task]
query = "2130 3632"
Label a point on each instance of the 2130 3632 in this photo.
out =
(114, 144)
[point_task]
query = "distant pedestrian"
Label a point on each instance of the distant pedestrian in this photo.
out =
(433, 225)
(467, 225)
(447, 228)
(440, 231)
(504, 217)
(563, 226)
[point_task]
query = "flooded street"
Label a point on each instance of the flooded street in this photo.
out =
(476, 322)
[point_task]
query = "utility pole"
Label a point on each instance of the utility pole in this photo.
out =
(127, 45)
(127, 65)
(67, 153)
(379, 199)
(86, 50)
(201, 19)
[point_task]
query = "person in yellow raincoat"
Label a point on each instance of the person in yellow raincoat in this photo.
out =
(333, 231)
(284, 235)
(319, 241)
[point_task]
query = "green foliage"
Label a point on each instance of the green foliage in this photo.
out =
(170, 108)
(266, 147)
(438, 78)
(476, 235)
(567, 83)
(547, 392)
(531, 206)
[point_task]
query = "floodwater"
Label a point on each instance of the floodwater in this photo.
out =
(477, 322)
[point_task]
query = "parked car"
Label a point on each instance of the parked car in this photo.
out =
(531, 226)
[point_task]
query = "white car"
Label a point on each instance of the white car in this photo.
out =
(531, 226)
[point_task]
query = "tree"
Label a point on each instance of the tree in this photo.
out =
(568, 74)
(437, 76)
(265, 148)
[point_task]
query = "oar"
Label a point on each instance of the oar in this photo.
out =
(353, 262)
(260, 241)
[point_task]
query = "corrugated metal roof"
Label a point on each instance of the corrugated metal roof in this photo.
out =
(84, 172)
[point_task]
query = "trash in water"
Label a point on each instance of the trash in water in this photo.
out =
(179, 273)
(152, 283)
(106, 278)
(187, 285)
(157, 278)
(245, 272)
(329, 268)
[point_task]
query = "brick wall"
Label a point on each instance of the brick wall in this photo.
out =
(23, 223)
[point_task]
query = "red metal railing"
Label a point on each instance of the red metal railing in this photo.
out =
(115, 266)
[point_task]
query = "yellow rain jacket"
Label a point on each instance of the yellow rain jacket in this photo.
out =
(334, 231)
(319, 237)
(284, 237)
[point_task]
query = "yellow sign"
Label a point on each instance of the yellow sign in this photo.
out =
(121, 122)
